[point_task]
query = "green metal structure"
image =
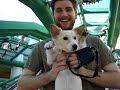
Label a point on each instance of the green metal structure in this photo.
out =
(11, 31)
(114, 21)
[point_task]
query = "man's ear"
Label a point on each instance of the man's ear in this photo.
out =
(55, 30)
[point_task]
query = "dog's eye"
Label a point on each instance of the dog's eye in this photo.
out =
(75, 38)
(65, 38)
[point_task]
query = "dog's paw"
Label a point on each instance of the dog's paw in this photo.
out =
(49, 45)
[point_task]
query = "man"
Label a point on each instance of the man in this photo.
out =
(64, 12)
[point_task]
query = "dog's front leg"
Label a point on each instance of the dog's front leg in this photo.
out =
(50, 56)
(49, 46)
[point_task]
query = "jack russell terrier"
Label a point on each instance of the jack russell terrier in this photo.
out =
(67, 41)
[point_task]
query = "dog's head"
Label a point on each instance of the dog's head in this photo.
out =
(68, 40)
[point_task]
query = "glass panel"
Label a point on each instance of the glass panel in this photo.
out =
(96, 17)
(13, 10)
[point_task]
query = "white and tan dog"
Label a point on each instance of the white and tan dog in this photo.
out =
(68, 41)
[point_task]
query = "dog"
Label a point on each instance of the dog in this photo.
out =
(66, 41)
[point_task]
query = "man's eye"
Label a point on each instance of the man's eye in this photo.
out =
(58, 10)
(65, 38)
(69, 9)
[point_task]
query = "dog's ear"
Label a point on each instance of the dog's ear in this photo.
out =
(55, 30)
(81, 30)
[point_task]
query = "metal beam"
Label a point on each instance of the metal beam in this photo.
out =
(114, 8)
(41, 11)
(82, 15)
(8, 81)
(12, 63)
(95, 10)
(18, 53)
(13, 28)
(24, 43)
(97, 24)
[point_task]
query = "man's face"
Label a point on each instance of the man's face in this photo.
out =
(64, 14)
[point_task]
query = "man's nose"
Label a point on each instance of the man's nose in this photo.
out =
(64, 13)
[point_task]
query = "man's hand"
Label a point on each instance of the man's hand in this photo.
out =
(58, 65)
(74, 62)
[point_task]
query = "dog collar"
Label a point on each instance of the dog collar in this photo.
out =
(61, 51)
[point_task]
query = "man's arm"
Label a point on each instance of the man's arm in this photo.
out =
(28, 80)
(110, 78)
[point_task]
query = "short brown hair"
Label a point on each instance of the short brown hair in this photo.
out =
(74, 3)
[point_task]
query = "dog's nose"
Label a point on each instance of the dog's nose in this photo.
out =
(74, 46)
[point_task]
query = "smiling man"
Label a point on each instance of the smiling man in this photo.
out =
(64, 14)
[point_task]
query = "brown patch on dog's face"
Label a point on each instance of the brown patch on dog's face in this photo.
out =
(81, 30)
